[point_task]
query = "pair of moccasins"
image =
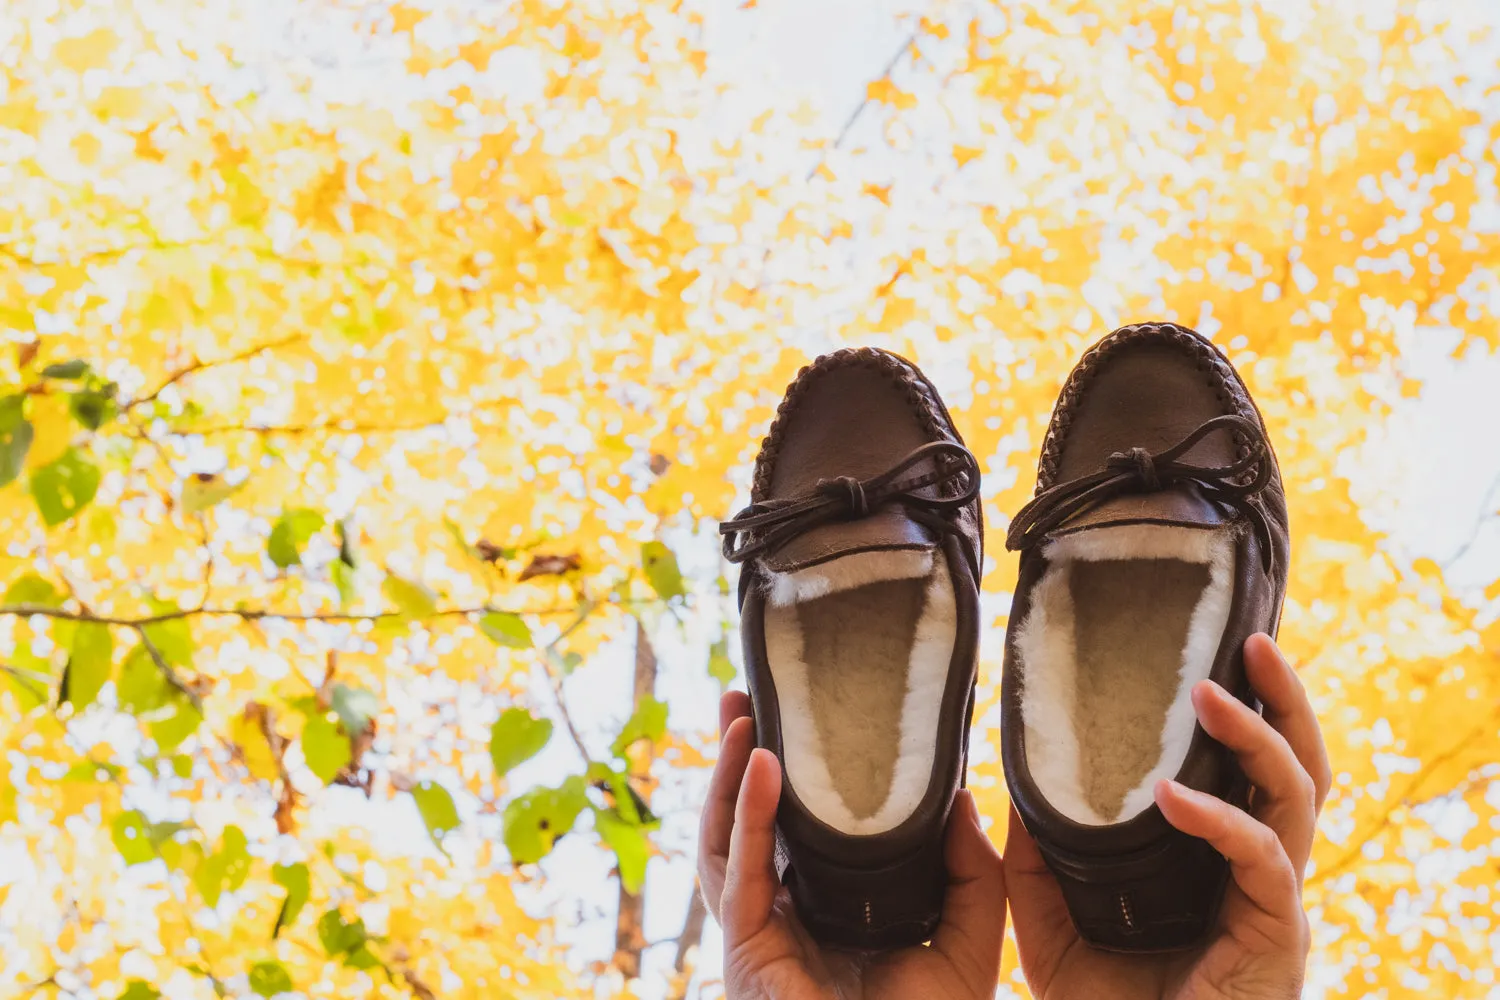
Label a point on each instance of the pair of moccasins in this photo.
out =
(1155, 545)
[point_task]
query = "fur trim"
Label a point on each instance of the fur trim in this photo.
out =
(845, 573)
(806, 766)
(1046, 638)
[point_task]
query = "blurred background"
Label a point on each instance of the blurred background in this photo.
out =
(375, 374)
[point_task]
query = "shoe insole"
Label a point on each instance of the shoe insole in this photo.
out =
(1131, 621)
(857, 645)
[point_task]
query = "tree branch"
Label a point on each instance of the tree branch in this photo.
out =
(689, 939)
(557, 689)
(198, 366)
(256, 614)
(167, 671)
(630, 918)
(859, 109)
(1347, 860)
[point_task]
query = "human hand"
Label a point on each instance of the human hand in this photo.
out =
(767, 952)
(1258, 950)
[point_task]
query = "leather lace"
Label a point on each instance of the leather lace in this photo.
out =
(1141, 471)
(763, 528)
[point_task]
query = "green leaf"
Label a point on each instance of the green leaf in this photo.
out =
(172, 638)
(436, 807)
(343, 581)
(65, 486)
(294, 879)
(170, 730)
(340, 937)
(457, 534)
(32, 687)
(95, 771)
(517, 736)
(361, 958)
(268, 978)
(507, 629)
(661, 570)
(411, 598)
(204, 489)
(628, 841)
(533, 822)
(139, 989)
(354, 706)
(325, 747)
(226, 868)
(720, 666)
(92, 408)
(132, 837)
(34, 590)
(648, 722)
(627, 804)
(346, 542)
(67, 370)
(141, 688)
(88, 665)
(15, 437)
(290, 532)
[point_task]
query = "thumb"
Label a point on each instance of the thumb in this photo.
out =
(750, 882)
(973, 928)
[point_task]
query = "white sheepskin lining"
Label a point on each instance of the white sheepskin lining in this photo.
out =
(858, 737)
(846, 573)
(1047, 647)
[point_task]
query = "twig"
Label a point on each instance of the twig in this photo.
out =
(691, 936)
(1350, 856)
(556, 681)
(630, 918)
(256, 614)
(198, 366)
(1483, 516)
(29, 682)
(859, 109)
(167, 671)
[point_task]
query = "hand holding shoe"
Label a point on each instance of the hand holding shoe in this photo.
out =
(1257, 951)
(767, 952)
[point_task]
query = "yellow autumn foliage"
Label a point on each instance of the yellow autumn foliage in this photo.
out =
(375, 373)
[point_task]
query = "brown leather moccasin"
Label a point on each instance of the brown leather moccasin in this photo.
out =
(1156, 544)
(862, 550)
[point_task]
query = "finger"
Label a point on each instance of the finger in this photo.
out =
(1044, 930)
(1288, 709)
(717, 822)
(733, 705)
(972, 931)
(1257, 860)
(750, 882)
(1285, 799)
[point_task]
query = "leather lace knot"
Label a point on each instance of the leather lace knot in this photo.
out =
(1141, 462)
(1139, 470)
(763, 528)
(849, 489)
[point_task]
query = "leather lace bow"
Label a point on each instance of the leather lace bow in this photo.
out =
(1140, 471)
(763, 528)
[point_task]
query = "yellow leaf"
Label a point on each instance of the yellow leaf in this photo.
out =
(963, 154)
(52, 429)
(246, 732)
(86, 51)
(882, 193)
(86, 146)
(886, 92)
(118, 102)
